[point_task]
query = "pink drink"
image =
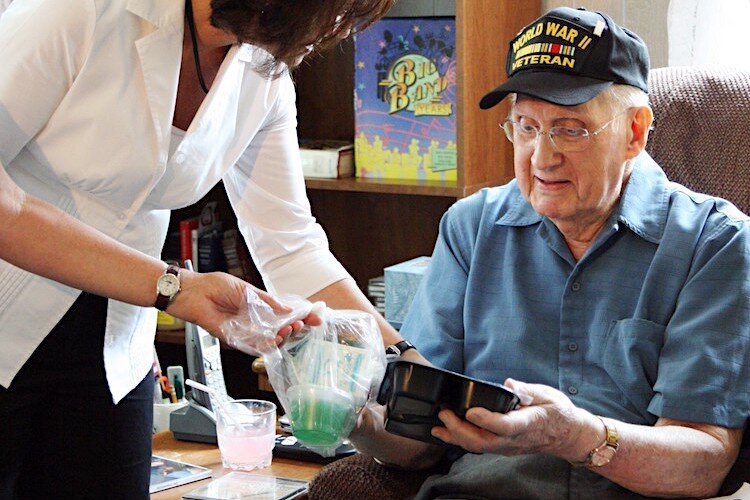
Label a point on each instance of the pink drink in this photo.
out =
(246, 434)
(246, 449)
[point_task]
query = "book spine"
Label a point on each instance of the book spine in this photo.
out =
(194, 234)
(186, 245)
(346, 163)
(210, 253)
(229, 245)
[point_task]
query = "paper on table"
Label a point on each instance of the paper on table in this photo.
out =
(240, 485)
(166, 473)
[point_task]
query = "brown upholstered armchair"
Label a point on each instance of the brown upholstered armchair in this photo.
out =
(701, 123)
(702, 140)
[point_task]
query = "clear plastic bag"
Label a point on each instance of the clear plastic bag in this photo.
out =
(323, 375)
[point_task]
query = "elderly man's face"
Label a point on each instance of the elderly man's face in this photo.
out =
(581, 187)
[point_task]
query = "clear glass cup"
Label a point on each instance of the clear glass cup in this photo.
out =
(247, 434)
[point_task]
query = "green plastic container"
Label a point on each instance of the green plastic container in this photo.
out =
(320, 415)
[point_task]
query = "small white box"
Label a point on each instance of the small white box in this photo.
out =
(401, 283)
(327, 159)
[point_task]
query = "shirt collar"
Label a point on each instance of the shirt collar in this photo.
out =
(643, 207)
(645, 202)
(520, 211)
(160, 14)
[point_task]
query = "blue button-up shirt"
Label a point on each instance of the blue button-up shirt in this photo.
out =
(654, 320)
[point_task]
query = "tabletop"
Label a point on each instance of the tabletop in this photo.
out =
(207, 455)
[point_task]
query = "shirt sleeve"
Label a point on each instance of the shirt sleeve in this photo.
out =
(43, 45)
(267, 190)
(704, 366)
(435, 322)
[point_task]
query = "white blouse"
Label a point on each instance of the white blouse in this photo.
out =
(87, 94)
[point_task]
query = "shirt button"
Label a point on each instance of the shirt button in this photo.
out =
(573, 347)
(179, 158)
(575, 286)
(572, 390)
(122, 216)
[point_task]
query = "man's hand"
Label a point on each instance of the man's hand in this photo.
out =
(370, 425)
(370, 438)
(547, 421)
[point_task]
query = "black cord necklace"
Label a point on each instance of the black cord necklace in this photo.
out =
(196, 55)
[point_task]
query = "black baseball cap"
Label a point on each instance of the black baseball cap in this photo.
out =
(568, 56)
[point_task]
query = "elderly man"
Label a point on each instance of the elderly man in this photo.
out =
(613, 302)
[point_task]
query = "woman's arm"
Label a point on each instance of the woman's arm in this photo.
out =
(43, 45)
(44, 240)
(345, 294)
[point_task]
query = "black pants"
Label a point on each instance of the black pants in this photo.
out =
(60, 434)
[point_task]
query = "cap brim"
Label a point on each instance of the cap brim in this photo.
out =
(558, 88)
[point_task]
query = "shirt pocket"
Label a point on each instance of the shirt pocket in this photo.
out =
(630, 355)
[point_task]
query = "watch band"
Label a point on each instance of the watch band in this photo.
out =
(397, 349)
(162, 301)
(605, 452)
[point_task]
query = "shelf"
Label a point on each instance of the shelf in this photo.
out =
(393, 186)
(178, 337)
(171, 336)
(449, 189)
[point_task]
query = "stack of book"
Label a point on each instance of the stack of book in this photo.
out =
(376, 292)
(327, 159)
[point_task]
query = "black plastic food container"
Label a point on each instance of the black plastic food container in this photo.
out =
(414, 394)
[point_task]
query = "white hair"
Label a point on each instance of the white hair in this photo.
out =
(621, 96)
(617, 96)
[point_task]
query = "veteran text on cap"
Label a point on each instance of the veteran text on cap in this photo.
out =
(568, 56)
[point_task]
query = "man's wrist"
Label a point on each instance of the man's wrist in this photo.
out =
(398, 349)
(587, 433)
(605, 441)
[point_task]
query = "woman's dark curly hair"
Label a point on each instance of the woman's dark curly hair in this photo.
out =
(290, 25)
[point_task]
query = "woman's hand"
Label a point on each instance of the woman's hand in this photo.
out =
(210, 299)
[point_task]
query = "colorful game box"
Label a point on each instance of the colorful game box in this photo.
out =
(405, 99)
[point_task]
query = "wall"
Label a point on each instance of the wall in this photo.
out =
(647, 18)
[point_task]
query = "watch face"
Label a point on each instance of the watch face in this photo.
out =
(603, 457)
(168, 285)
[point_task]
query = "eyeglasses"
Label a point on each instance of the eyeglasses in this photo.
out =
(565, 139)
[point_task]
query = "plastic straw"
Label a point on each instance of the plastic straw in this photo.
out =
(222, 405)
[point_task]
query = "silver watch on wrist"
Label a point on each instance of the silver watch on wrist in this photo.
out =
(167, 287)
